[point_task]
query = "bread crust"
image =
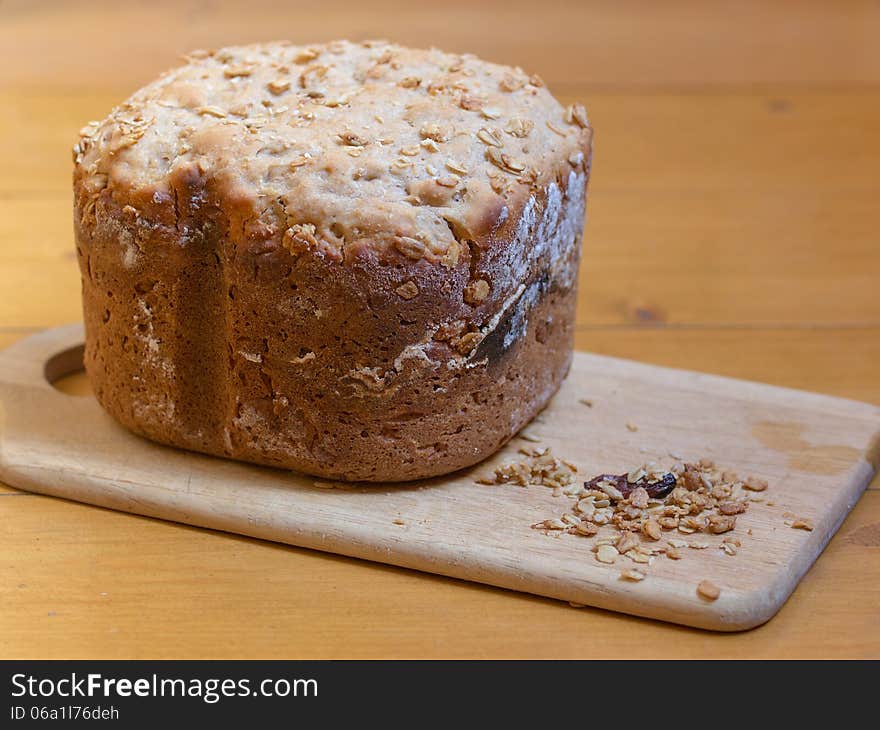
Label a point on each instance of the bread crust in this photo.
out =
(215, 330)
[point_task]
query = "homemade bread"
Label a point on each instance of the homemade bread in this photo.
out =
(354, 260)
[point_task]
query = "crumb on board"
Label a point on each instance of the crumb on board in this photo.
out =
(540, 467)
(708, 590)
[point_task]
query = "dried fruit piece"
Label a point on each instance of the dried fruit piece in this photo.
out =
(657, 489)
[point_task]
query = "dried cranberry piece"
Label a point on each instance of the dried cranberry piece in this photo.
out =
(657, 490)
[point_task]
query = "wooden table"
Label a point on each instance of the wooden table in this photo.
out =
(733, 228)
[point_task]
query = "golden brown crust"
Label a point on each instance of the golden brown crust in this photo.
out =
(339, 137)
(406, 349)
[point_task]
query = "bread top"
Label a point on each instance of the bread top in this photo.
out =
(330, 146)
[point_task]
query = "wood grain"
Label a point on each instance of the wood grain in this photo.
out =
(629, 43)
(817, 452)
(736, 151)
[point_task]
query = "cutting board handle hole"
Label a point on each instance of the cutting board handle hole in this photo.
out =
(64, 371)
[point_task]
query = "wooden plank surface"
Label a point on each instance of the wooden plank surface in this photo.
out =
(818, 454)
(743, 140)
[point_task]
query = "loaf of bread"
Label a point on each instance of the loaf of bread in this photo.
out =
(354, 260)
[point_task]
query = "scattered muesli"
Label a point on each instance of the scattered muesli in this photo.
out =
(630, 514)
(708, 590)
(540, 467)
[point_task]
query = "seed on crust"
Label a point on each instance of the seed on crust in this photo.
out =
(278, 86)
(412, 248)
(626, 543)
(299, 238)
(504, 161)
(552, 524)
(232, 72)
(470, 103)
(519, 127)
(434, 131)
(487, 136)
(407, 290)
(803, 523)
(510, 83)
(305, 55)
(456, 167)
(576, 114)
(211, 111)
(468, 342)
(476, 291)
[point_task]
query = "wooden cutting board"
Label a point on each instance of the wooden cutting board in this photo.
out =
(818, 454)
